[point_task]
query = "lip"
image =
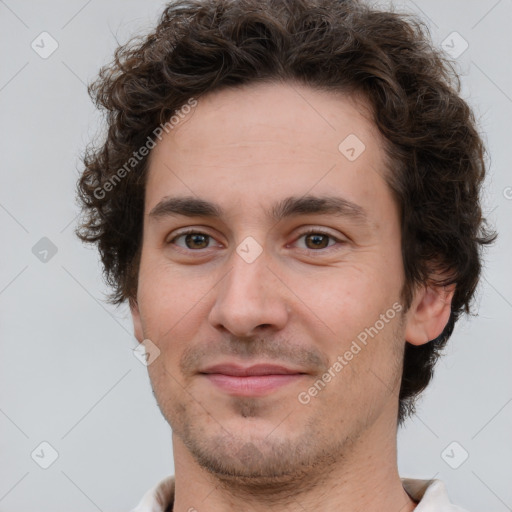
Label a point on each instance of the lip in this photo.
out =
(236, 370)
(255, 380)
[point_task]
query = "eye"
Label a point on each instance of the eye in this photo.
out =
(315, 239)
(193, 240)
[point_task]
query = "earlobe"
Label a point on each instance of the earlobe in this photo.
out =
(137, 324)
(429, 313)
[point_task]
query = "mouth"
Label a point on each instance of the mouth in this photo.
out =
(256, 380)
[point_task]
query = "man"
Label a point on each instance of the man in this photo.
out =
(288, 197)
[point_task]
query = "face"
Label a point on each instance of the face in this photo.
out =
(270, 281)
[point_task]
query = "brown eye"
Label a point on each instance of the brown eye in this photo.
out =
(317, 241)
(193, 240)
(197, 241)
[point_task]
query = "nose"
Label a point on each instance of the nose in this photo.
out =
(249, 298)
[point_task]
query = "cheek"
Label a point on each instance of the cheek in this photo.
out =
(348, 297)
(358, 323)
(167, 295)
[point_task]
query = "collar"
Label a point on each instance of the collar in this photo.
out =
(430, 495)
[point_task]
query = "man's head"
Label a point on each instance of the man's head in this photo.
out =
(288, 102)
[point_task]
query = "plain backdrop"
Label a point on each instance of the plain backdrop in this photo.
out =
(68, 375)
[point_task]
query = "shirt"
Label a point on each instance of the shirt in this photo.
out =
(430, 495)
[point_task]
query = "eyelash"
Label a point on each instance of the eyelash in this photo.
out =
(303, 234)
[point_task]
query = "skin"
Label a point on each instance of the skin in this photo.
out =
(201, 303)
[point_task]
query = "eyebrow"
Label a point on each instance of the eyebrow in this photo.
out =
(292, 206)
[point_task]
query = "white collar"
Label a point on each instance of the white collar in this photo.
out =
(431, 495)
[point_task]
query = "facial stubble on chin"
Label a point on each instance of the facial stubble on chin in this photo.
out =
(271, 465)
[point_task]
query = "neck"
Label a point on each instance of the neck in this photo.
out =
(364, 477)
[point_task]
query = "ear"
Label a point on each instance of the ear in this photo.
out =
(429, 313)
(137, 324)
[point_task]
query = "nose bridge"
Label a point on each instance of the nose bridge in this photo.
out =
(248, 277)
(249, 295)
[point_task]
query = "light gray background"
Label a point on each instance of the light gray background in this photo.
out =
(67, 372)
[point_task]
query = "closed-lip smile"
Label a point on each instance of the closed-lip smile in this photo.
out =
(255, 380)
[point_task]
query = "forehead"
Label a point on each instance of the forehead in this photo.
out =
(274, 113)
(247, 145)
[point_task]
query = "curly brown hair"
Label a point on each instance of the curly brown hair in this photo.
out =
(199, 46)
